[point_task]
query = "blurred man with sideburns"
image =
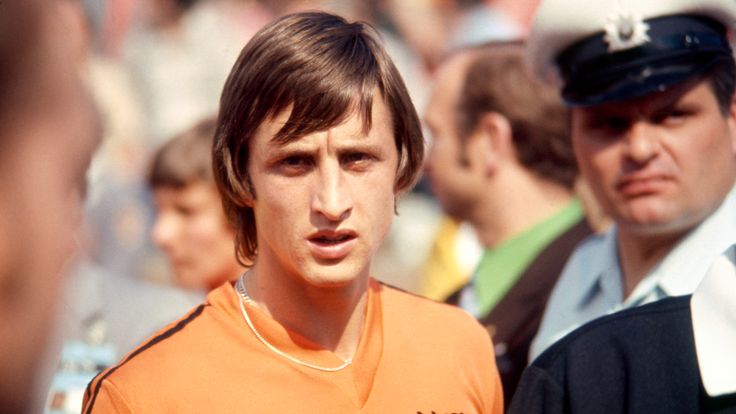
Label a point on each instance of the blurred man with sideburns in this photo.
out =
(501, 159)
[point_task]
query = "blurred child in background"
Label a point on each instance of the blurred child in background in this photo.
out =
(190, 225)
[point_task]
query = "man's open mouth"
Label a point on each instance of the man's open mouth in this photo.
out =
(332, 244)
(332, 239)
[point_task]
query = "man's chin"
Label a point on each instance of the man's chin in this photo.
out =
(657, 225)
(337, 276)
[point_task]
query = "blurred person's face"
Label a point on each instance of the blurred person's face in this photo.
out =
(47, 141)
(659, 164)
(159, 13)
(324, 202)
(192, 230)
(454, 176)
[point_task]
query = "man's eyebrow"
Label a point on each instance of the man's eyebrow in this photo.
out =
(667, 103)
(671, 99)
(281, 151)
(276, 143)
(359, 146)
(675, 95)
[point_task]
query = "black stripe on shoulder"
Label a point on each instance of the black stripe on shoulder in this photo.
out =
(416, 295)
(164, 335)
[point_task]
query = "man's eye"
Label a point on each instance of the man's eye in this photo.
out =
(294, 164)
(357, 159)
(671, 115)
(617, 124)
(294, 161)
(608, 126)
(185, 211)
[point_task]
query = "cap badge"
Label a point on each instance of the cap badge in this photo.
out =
(625, 30)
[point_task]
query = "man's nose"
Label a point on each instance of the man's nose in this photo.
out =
(332, 195)
(163, 230)
(642, 142)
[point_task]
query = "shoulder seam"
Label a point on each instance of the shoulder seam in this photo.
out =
(418, 296)
(158, 338)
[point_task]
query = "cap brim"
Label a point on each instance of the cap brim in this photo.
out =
(625, 83)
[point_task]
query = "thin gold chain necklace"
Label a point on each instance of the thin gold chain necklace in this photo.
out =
(244, 297)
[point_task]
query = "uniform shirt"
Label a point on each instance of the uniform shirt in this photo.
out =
(638, 361)
(672, 356)
(591, 284)
(414, 356)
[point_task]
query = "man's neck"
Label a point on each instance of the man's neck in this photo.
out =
(331, 317)
(639, 254)
(525, 201)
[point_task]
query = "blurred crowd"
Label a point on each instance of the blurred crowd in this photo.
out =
(489, 227)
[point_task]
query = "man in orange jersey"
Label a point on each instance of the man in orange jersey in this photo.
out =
(316, 139)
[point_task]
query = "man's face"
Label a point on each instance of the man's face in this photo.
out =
(455, 179)
(192, 230)
(47, 146)
(324, 202)
(659, 164)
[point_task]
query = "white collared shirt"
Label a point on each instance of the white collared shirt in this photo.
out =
(713, 308)
(591, 284)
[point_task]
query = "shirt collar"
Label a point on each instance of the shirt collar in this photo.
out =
(357, 379)
(713, 308)
(601, 275)
(681, 271)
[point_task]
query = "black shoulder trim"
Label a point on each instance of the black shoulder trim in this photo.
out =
(164, 335)
(416, 295)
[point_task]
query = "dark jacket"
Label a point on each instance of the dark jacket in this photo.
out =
(638, 361)
(514, 321)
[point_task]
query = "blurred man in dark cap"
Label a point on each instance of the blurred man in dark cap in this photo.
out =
(653, 124)
(48, 133)
(651, 87)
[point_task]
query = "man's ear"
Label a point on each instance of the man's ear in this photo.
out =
(732, 123)
(247, 197)
(247, 192)
(493, 141)
(401, 190)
